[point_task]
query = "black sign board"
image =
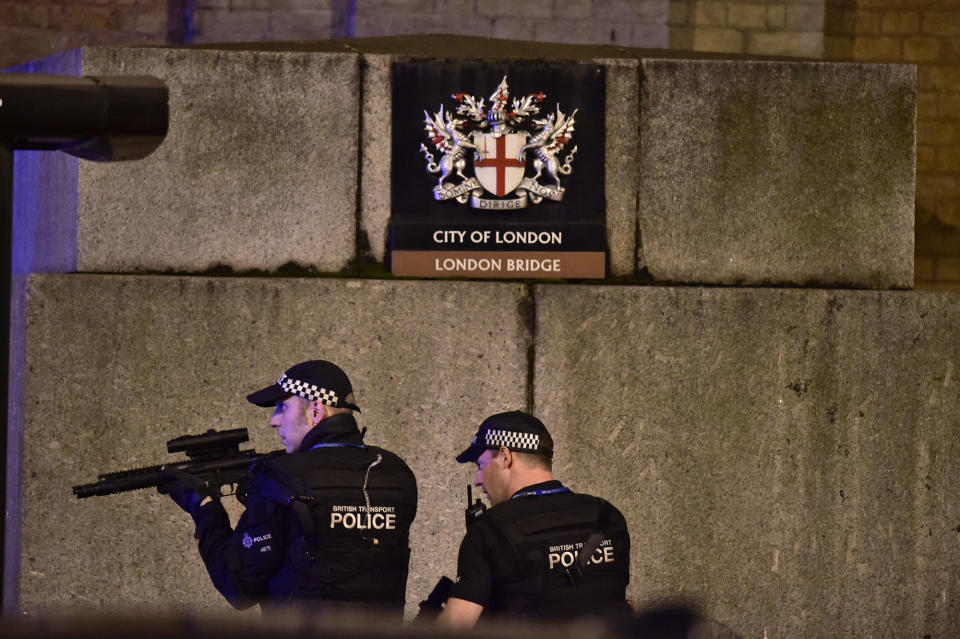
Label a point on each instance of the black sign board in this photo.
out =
(497, 170)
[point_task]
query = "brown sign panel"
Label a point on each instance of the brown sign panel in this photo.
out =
(497, 264)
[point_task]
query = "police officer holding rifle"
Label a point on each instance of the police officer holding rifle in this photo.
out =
(541, 551)
(326, 525)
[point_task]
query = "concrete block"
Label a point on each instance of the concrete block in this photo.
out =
(258, 168)
(786, 458)
(622, 163)
(15, 404)
(744, 171)
(777, 172)
(117, 365)
(375, 155)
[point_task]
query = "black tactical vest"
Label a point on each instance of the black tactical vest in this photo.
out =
(542, 534)
(351, 513)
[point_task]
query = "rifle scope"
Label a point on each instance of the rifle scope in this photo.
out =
(210, 440)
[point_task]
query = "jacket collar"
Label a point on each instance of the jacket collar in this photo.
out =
(341, 428)
(544, 485)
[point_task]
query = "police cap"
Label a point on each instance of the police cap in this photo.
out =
(518, 431)
(316, 381)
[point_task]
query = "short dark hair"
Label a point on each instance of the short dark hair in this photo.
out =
(532, 460)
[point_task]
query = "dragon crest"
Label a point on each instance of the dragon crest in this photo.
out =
(494, 137)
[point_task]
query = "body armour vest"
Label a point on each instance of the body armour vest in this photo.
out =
(352, 507)
(544, 536)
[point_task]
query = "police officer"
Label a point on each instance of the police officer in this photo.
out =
(541, 551)
(326, 525)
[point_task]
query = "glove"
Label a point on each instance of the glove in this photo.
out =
(436, 600)
(186, 490)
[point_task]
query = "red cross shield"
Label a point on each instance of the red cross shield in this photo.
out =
(498, 168)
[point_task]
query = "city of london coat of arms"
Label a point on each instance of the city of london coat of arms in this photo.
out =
(497, 141)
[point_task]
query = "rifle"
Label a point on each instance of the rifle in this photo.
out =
(215, 457)
(437, 599)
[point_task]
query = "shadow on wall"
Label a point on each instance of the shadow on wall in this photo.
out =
(937, 253)
(675, 620)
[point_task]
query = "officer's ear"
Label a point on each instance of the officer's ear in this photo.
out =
(506, 455)
(318, 412)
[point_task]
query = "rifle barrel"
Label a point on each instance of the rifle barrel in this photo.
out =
(209, 470)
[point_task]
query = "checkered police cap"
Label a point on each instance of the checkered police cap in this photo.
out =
(518, 431)
(315, 381)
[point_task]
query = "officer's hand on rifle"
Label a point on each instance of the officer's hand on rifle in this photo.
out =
(435, 601)
(188, 491)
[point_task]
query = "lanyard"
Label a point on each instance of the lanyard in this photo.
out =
(538, 493)
(336, 445)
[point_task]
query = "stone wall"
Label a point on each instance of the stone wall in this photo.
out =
(783, 452)
(252, 20)
(636, 23)
(32, 29)
(782, 173)
(937, 263)
(785, 458)
(760, 27)
(921, 33)
(160, 357)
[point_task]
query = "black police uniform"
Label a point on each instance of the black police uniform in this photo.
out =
(323, 527)
(519, 558)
